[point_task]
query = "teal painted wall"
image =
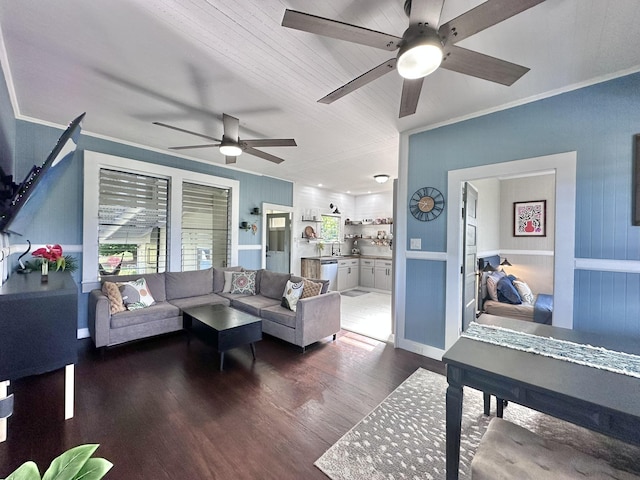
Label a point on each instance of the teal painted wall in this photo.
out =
(598, 122)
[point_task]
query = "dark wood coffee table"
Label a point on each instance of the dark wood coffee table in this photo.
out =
(222, 327)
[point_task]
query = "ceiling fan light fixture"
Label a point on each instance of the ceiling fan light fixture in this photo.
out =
(420, 56)
(230, 149)
(381, 178)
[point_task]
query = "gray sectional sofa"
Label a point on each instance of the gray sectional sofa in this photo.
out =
(314, 319)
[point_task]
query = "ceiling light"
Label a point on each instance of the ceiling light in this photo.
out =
(420, 55)
(230, 149)
(382, 178)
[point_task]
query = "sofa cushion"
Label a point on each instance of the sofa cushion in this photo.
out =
(324, 283)
(253, 304)
(279, 314)
(243, 282)
(189, 284)
(112, 292)
(155, 282)
(158, 311)
(209, 299)
(272, 284)
(135, 294)
(291, 295)
(218, 277)
(311, 289)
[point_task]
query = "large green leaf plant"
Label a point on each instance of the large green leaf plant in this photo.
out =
(74, 464)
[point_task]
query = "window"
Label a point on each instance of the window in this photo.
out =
(133, 214)
(205, 227)
(330, 228)
(132, 223)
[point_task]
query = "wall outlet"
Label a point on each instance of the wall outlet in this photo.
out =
(416, 244)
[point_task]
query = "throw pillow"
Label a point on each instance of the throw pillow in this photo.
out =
(110, 289)
(243, 283)
(135, 294)
(227, 281)
(507, 293)
(291, 295)
(492, 284)
(523, 289)
(311, 289)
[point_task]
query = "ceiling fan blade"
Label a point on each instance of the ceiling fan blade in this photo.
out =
(271, 142)
(263, 155)
(206, 145)
(428, 11)
(230, 160)
(231, 127)
(186, 131)
(483, 66)
(483, 16)
(341, 31)
(410, 95)
(360, 81)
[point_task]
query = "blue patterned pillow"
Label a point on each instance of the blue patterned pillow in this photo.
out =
(243, 283)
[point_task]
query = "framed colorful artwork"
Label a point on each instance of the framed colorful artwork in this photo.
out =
(530, 219)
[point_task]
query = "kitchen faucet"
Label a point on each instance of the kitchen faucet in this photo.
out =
(333, 251)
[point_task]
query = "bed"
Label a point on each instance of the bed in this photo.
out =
(534, 307)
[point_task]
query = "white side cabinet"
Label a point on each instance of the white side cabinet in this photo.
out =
(367, 272)
(383, 274)
(348, 273)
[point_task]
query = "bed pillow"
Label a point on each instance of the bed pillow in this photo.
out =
(507, 293)
(492, 284)
(525, 292)
(291, 295)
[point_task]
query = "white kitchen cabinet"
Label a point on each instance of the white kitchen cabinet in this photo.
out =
(348, 273)
(383, 275)
(367, 272)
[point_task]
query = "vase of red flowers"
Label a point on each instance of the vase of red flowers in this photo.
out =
(49, 254)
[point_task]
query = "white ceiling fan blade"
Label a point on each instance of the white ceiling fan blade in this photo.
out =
(186, 147)
(263, 155)
(186, 131)
(271, 142)
(360, 81)
(483, 66)
(231, 127)
(342, 31)
(410, 95)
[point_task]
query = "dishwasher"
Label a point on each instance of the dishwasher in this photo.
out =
(329, 271)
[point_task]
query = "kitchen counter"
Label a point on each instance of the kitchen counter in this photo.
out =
(339, 257)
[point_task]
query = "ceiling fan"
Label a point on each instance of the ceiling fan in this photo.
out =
(231, 146)
(424, 46)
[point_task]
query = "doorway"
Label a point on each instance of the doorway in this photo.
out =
(276, 237)
(564, 165)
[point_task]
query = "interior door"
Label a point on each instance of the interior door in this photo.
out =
(470, 249)
(278, 248)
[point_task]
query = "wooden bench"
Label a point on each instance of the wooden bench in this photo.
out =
(508, 451)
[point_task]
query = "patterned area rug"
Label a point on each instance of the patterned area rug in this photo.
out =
(353, 293)
(404, 437)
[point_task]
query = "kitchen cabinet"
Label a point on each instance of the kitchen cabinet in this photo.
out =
(348, 273)
(383, 276)
(367, 272)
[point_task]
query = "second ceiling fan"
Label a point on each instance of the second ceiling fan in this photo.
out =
(424, 47)
(231, 146)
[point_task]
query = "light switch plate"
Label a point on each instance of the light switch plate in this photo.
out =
(416, 244)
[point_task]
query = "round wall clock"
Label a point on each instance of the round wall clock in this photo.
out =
(426, 204)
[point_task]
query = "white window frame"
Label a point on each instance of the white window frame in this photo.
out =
(94, 161)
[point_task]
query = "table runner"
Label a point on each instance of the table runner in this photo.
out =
(583, 354)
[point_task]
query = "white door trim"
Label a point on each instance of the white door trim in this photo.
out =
(564, 165)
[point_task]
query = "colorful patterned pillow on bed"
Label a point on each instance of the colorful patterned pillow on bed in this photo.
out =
(525, 292)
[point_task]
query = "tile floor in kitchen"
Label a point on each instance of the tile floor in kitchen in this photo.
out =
(368, 314)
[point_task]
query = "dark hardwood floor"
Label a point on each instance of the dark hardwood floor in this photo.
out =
(161, 409)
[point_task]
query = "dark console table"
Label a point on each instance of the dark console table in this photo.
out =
(38, 330)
